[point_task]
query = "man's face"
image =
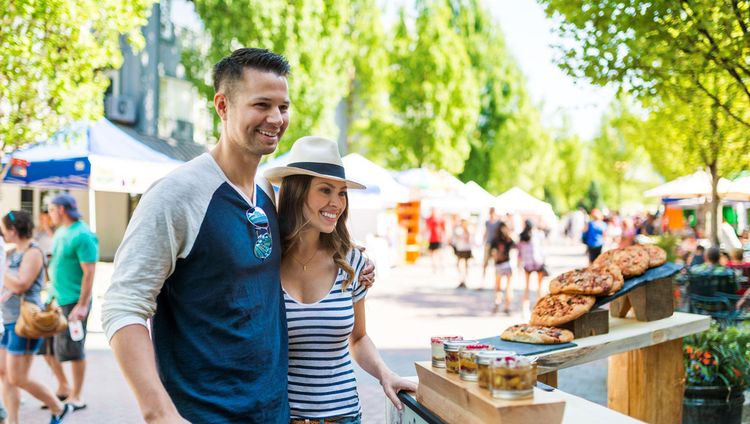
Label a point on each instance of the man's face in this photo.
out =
(256, 112)
(55, 213)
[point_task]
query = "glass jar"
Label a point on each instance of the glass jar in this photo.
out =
(468, 360)
(484, 359)
(438, 353)
(452, 361)
(512, 377)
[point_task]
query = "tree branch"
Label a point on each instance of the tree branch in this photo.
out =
(718, 102)
(736, 9)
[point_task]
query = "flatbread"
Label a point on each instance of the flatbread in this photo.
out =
(535, 334)
(557, 309)
(595, 281)
(632, 260)
(656, 255)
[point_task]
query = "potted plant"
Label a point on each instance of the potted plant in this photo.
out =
(717, 372)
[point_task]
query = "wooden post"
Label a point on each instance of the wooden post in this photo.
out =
(649, 383)
(549, 378)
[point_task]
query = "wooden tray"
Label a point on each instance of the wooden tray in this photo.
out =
(463, 402)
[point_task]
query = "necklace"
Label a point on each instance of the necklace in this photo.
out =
(304, 264)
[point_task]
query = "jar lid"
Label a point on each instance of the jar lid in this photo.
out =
(455, 345)
(487, 356)
(477, 346)
(511, 361)
(442, 339)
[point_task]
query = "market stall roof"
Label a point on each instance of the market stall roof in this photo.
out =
(95, 155)
(383, 191)
(697, 184)
(518, 201)
(739, 189)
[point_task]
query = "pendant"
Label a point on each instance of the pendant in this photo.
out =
(304, 267)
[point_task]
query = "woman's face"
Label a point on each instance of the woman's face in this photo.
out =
(9, 234)
(324, 204)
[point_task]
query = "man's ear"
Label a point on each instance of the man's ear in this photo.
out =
(221, 103)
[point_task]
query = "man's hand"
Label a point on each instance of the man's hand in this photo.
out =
(367, 276)
(78, 313)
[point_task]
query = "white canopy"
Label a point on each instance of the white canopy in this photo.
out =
(693, 185)
(739, 189)
(382, 189)
(517, 201)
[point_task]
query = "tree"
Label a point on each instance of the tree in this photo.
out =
(659, 46)
(312, 35)
(709, 138)
(434, 95)
(53, 55)
(568, 178)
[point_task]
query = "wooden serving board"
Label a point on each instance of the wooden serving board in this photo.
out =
(463, 402)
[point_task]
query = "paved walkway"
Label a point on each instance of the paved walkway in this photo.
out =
(403, 310)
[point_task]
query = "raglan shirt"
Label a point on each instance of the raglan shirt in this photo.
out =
(217, 312)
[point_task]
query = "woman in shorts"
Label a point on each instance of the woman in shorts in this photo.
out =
(501, 245)
(531, 258)
(24, 277)
(325, 303)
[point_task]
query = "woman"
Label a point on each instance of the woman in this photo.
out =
(462, 245)
(325, 304)
(501, 245)
(531, 258)
(24, 277)
(594, 235)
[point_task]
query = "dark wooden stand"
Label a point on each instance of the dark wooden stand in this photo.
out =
(650, 301)
(593, 323)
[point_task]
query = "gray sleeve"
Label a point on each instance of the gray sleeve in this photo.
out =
(163, 228)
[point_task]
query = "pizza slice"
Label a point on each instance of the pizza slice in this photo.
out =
(536, 334)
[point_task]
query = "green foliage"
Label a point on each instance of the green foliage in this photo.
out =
(718, 357)
(568, 177)
(661, 46)
(53, 55)
(591, 199)
(312, 34)
(669, 242)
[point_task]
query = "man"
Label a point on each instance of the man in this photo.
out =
(201, 257)
(75, 250)
(490, 228)
(435, 235)
(594, 235)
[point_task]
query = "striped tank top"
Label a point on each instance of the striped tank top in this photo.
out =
(321, 376)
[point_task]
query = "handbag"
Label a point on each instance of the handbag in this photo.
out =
(35, 323)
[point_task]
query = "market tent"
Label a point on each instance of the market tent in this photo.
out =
(739, 189)
(693, 185)
(98, 156)
(517, 201)
(383, 191)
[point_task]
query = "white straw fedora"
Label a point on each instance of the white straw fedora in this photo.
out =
(316, 156)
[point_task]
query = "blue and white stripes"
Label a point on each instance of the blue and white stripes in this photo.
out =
(321, 376)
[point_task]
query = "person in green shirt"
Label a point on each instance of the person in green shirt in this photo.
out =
(75, 250)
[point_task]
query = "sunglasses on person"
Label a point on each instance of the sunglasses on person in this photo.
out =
(263, 241)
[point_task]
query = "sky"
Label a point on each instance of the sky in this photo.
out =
(529, 35)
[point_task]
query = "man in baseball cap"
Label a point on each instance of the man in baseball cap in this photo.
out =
(69, 205)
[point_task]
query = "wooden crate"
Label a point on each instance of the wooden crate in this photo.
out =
(593, 323)
(650, 302)
(463, 402)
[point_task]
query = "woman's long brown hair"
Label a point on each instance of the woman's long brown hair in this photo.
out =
(292, 221)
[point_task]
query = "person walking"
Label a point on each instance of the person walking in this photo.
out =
(435, 235)
(531, 258)
(325, 304)
(23, 281)
(490, 229)
(462, 244)
(594, 235)
(501, 245)
(75, 251)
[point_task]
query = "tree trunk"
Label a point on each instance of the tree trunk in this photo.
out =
(715, 203)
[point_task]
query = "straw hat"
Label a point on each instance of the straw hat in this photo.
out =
(315, 156)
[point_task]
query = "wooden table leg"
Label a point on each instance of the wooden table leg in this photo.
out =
(648, 383)
(549, 378)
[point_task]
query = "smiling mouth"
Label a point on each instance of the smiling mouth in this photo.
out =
(329, 215)
(268, 133)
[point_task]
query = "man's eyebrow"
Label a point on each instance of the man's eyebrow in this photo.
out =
(268, 99)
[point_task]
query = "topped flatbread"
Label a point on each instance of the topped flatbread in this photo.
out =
(526, 333)
(632, 260)
(596, 281)
(656, 255)
(557, 309)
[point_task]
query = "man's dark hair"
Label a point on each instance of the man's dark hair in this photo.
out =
(229, 69)
(713, 254)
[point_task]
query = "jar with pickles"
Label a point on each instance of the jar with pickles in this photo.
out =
(452, 360)
(484, 360)
(512, 377)
(468, 360)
